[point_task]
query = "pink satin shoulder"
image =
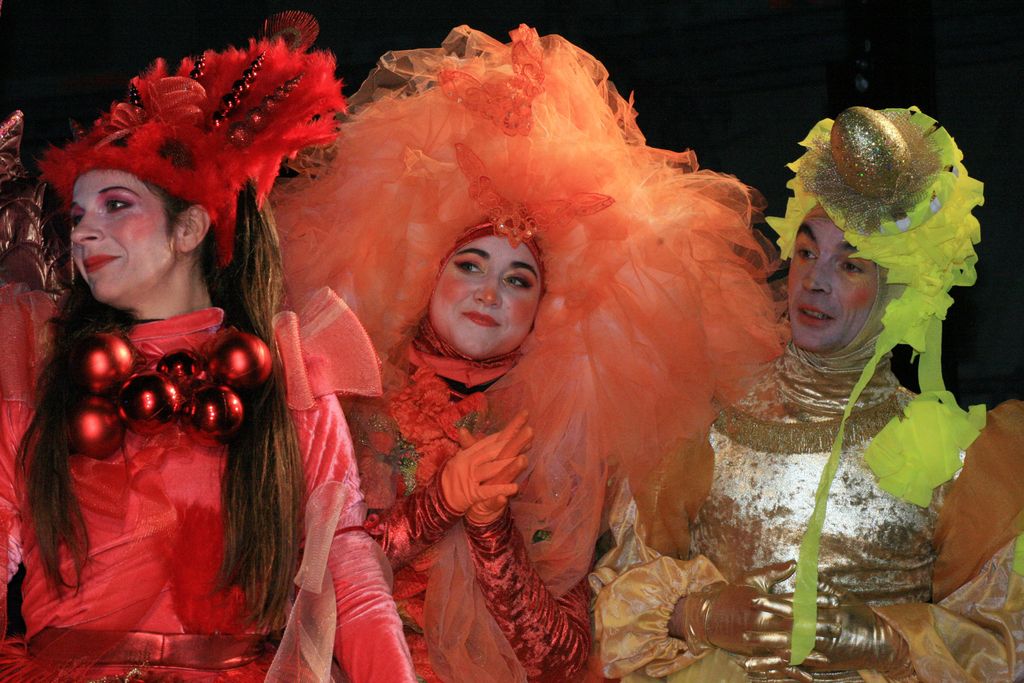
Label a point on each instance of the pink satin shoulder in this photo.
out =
(325, 350)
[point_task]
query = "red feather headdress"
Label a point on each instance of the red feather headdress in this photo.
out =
(218, 121)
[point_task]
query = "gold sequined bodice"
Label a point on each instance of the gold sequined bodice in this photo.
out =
(769, 455)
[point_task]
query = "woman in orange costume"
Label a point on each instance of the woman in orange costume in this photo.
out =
(156, 476)
(465, 160)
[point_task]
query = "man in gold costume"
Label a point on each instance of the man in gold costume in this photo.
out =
(902, 510)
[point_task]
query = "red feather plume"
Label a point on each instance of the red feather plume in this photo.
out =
(215, 123)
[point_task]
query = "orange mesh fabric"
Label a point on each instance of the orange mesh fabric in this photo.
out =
(979, 511)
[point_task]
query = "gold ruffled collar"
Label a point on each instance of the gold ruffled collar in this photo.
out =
(797, 407)
(821, 385)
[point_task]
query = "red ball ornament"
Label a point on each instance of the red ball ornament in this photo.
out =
(182, 366)
(94, 428)
(101, 362)
(148, 402)
(239, 359)
(213, 415)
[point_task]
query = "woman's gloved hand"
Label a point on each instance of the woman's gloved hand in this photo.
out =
(481, 475)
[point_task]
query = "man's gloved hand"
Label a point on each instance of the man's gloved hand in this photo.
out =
(735, 617)
(850, 636)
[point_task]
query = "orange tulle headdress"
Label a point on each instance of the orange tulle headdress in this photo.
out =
(518, 222)
(652, 313)
(218, 121)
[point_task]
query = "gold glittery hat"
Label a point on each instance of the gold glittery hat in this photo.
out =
(874, 167)
(881, 172)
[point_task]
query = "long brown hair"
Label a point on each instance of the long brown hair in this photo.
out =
(263, 484)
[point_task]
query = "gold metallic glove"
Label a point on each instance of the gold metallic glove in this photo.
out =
(733, 617)
(849, 637)
(865, 640)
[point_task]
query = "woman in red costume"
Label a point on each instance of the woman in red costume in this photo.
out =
(511, 245)
(172, 450)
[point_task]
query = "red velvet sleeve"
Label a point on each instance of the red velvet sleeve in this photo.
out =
(550, 636)
(413, 523)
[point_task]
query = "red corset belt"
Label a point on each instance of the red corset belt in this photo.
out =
(185, 650)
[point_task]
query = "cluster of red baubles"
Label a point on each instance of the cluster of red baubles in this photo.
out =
(182, 385)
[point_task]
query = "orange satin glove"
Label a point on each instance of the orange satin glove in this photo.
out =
(479, 479)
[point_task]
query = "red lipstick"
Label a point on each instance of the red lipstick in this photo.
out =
(481, 319)
(96, 262)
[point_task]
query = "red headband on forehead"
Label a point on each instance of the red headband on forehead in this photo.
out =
(487, 230)
(516, 221)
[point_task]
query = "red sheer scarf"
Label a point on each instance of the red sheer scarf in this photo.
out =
(431, 351)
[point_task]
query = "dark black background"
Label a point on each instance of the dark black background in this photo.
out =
(739, 81)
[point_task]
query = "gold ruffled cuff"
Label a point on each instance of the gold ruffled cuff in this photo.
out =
(632, 612)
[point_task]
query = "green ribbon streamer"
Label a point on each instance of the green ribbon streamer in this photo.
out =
(929, 369)
(805, 595)
(1018, 555)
